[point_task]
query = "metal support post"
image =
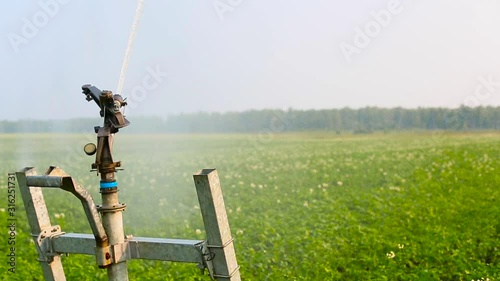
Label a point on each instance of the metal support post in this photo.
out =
(39, 221)
(220, 246)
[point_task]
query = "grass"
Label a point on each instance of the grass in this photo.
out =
(303, 206)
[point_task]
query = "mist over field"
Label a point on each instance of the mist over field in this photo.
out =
(345, 120)
(309, 206)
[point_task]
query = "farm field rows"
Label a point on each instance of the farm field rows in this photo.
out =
(302, 206)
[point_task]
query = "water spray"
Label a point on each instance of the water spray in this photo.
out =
(130, 43)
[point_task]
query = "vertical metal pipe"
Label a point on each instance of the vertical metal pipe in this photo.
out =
(113, 225)
(111, 210)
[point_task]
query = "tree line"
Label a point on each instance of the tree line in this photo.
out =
(363, 120)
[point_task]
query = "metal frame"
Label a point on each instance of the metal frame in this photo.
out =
(216, 253)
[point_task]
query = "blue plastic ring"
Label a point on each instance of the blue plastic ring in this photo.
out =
(109, 184)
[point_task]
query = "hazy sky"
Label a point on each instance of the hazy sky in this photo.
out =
(233, 55)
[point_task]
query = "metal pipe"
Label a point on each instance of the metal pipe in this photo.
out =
(145, 248)
(111, 209)
(44, 181)
(113, 225)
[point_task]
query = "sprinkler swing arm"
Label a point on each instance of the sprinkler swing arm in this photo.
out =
(108, 243)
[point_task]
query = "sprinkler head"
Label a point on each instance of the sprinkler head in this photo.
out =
(109, 104)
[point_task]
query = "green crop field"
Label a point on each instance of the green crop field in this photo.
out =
(305, 206)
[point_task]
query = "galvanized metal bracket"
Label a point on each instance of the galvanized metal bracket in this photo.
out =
(120, 252)
(57, 178)
(103, 256)
(207, 258)
(44, 243)
(112, 254)
(209, 255)
(216, 253)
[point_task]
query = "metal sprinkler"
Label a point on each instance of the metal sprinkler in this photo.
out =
(108, 243)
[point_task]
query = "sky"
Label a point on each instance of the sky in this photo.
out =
(235, 55)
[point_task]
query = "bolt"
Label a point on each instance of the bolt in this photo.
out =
(108, 256)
